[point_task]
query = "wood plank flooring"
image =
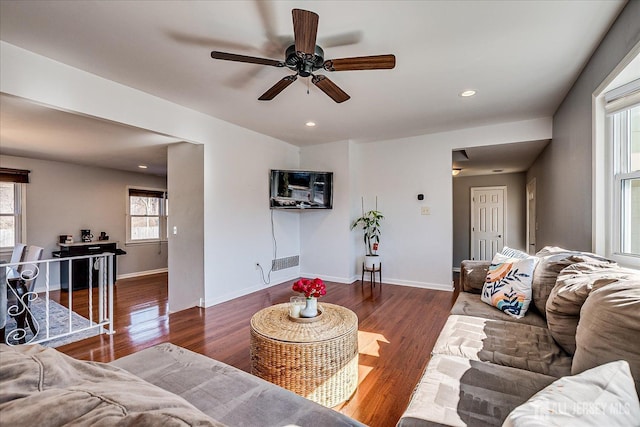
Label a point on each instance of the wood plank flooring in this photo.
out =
(398, 327)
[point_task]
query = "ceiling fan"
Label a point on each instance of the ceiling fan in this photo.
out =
(305, 57)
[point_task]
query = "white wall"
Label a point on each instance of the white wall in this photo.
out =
(237, 213)
(417, 249)
(185, 168)
(237, 230)
(515, 221)
(63, 198)
(326, 248)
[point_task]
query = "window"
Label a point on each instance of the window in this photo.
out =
(623, 136)
(147, 215)
(12, 212)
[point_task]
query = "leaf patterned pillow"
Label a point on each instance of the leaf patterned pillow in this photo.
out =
(508, 284)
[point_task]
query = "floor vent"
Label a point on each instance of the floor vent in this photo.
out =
(282, 263)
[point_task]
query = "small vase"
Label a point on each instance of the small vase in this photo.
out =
(310, 309)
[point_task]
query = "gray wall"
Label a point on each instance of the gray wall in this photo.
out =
(186, 213)
(563, 171)
(516, 221)
(63, 198)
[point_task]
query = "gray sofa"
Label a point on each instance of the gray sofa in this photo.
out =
(162, 385)
(585, 312)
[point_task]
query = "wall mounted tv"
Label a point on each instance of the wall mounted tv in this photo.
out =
(293, 189)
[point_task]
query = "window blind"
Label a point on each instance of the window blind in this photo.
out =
(622, 97)
(14, 175)
(147, 193)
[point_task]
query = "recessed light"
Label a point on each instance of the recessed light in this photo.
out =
(143, 166)
(467, 93)
(310, 124)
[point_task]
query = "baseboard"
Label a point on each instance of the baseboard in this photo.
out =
(423, 285)
(141, 273)
(326, 278)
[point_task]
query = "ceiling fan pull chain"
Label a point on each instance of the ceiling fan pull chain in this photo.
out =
(308, 84)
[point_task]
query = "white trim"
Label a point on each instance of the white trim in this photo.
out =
(19, 215)
(164, 218)
(423, 285)
(531, 188)
(473, 190)
(142, 273)
(601, 195)
(456, 269)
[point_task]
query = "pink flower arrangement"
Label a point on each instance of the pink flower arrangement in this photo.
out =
(312, 288)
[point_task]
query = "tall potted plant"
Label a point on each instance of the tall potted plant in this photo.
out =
(370, 223)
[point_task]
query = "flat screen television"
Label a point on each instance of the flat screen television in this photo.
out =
(293, 189)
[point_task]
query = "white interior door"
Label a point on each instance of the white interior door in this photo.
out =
(532, 222)
(487, 221)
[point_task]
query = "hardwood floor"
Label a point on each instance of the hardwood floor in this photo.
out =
(398, 327)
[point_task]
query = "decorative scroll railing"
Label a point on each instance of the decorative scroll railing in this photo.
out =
(34, 317)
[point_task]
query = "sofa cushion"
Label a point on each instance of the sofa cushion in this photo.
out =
(569, 294)
(552, 261)
(45, 387)
(505, 343)
(604, 395)
(508, 284)
(469, 304)
(227, 393)
(472, 275)
(459, 392)
(609, 327)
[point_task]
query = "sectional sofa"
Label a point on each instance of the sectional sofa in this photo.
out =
(163, 385)
(490, 367)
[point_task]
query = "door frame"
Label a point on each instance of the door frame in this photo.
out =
(472, 254)
(531, 222)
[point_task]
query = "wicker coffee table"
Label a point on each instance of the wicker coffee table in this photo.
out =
(316, 360)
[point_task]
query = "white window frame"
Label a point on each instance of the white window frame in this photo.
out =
(606, 185)
(164, 220)
(20, 215)
(618, 134)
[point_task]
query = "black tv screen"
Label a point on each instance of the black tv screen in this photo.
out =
(292, 189)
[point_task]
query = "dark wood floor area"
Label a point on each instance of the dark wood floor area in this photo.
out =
(398, 326)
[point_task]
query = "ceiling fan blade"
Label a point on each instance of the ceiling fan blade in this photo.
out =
(330, 88)
(376, 62)
(305, 30)
(277, 88)
(243, 58)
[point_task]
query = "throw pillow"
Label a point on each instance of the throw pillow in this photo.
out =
(604, 395)
(609, 327)
(552, 261)
(508, 284)
(572, 288)
(514, 253)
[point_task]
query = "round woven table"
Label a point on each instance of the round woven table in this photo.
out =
(316, 360)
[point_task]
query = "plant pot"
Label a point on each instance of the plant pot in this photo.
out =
(372, 262)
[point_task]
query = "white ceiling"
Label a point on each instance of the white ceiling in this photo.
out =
(521, 57)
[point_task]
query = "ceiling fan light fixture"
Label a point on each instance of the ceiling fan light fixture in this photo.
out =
(456, 171)
(467, 93)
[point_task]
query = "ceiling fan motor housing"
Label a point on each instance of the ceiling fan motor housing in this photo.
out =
(304, 64)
